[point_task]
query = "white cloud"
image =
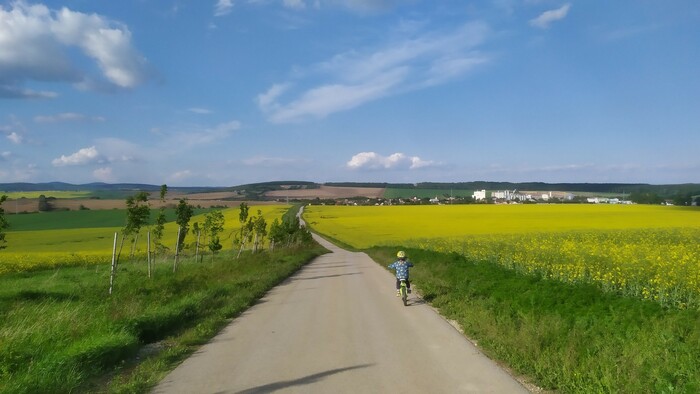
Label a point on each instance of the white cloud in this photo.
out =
(375, 161)
(264, 161)
(5, 156)
(266, 100)
(355, 77)
(15, 92)
(115, 150)
(181, 175)
(297, 4)
(200, 111)
(37, 41)
(15, 137)
(201, 136)
(81, 157)
(66, 117)
(546, 18)
(324, 100)
(223, 7)
(104, 175)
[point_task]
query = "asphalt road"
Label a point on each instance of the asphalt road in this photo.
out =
(337, 327)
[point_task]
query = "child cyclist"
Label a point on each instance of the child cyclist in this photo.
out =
(401, 266)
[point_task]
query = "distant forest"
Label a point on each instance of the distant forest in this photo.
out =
(620, 188)
(638, 192)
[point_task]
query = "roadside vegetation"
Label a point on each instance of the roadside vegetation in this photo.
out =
(68, 238)
(62, 331)
(566, 337)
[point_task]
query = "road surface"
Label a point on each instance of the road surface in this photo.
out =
(337, 327)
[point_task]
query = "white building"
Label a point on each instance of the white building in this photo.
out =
(479, 195)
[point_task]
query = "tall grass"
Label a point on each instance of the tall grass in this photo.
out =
(567, 337)
(61, 332)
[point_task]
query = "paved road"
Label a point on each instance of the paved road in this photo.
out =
(337, 327)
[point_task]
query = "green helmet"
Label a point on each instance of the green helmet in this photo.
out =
(401, 254)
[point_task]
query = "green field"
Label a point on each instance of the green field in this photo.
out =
(58, 220)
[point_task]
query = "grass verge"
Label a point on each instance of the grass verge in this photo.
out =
(565, 337)
(61, 332)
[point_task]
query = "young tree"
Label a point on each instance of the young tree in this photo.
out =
(44, 205)
(3, 223)
(260, 230)
(246, 235)
(245, 229)
(137, 214)
(277, 233)
(213, 226)
(160, 222)
(183, 212)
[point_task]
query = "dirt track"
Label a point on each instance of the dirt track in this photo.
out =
(337, 327)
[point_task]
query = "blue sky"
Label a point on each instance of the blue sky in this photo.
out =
(227, 92)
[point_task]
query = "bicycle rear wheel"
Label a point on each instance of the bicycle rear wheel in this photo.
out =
(404, 294)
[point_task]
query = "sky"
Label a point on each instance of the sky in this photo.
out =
(230, 92)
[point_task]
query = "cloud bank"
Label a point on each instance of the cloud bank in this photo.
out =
(396, 161)
(36, 45)
(82, 157)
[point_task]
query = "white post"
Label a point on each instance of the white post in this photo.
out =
(177, 248)
(114, 264)
(196, 249)
(148, 251)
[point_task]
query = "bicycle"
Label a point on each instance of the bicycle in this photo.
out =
(404, 292)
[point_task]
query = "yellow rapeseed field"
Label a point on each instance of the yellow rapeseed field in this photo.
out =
(54, 248)
(651, 252)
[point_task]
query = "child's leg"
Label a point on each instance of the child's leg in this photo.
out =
(398, 283)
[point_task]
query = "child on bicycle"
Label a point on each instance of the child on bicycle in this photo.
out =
(401, 266)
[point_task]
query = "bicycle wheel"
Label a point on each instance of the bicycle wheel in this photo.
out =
(404, 294)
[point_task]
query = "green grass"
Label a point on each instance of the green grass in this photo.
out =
(564, 337)
(60, 220)
(60, 331)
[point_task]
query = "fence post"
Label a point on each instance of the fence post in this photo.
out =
(114, 264)
(148, 252)
(177, 248)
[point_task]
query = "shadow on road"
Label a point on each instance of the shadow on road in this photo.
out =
(326, 276)
(299, 382)
(416, 301)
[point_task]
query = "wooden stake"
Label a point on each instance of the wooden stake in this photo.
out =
(148, 252)
(177, 248)
(196, 250)
(114, 264)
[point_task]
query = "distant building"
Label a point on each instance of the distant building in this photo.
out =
(479, 195)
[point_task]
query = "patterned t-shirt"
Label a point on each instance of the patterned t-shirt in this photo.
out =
(401, 268)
